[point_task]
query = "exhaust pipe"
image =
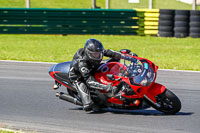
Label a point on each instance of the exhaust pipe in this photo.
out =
(67, 97)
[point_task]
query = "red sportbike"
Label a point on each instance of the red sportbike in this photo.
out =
(136, 83)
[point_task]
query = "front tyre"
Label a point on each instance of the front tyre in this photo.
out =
(167, 102)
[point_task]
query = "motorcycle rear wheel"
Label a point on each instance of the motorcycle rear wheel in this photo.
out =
(168, 103)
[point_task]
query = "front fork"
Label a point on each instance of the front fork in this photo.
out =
(153, 91)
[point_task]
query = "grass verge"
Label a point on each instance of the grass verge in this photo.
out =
(4, 130)
(116, 4)
(51, 3)
(167, 53)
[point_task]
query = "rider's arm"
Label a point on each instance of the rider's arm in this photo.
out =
(92, 83)
(112, 54)
(90, 80)
(118, 55)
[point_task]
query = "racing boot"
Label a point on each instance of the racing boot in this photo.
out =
(56, 85)
(84, 93)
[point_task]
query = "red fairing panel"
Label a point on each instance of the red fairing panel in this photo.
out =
(155, 90)
(52, 75)
(115, 100)
(109, 68)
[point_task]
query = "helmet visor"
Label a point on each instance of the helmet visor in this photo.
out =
(95, 55)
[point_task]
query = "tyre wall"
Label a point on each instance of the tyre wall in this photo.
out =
(179, 23)
(166, 23)
(194, 24)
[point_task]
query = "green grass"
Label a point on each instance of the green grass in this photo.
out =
(2, 131)
(167, 53)
(116, 4)
(51, 3)
(157, 4)
(9, 131)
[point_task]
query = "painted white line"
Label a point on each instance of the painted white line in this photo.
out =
(56, 63)
(179, 70)
(28, 62)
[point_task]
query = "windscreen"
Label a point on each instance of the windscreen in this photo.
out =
(119, 70)
(140, 73)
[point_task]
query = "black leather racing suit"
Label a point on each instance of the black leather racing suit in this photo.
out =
(81, 73)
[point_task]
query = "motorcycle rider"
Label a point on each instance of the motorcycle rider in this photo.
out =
(85, 62)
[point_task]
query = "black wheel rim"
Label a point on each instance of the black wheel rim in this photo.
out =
(166, 105)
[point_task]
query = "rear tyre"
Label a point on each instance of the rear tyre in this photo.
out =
(195, 35)
(166, 11)
(181, 18)
(165, 34)
(166, 23)
(166, 28)
(195, 18)
(194, 24)
(182, 12)
(169, 103)
(196, 13)
(166, 17)
(181, 34)
(181, 29)
(194, 29)
(181, 24)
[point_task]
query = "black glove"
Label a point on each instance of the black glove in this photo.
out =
(129, 58)
(134, 54)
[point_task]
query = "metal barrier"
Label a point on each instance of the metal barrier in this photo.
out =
(169, 23)
(67, 21)
(148, 21)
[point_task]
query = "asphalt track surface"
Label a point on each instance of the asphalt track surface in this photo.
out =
(27, 102)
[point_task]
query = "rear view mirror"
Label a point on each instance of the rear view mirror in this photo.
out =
(110, 77)
(125, 51)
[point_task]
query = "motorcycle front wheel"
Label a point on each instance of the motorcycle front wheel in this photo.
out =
(168, 103)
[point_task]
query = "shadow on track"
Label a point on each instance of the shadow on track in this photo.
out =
(135, 112)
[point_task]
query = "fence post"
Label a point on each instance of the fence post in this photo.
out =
(107, 4)
(150, 4)
(194, 5)
(28, 3)
(93, 4)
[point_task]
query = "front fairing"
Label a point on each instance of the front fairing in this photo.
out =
(141, 73)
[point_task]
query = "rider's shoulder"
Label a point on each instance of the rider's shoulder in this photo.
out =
(79, 54)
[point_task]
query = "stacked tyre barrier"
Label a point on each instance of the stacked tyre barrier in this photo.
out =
(194, 24)
(148, 21)
(166, 23)
(179, 23)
